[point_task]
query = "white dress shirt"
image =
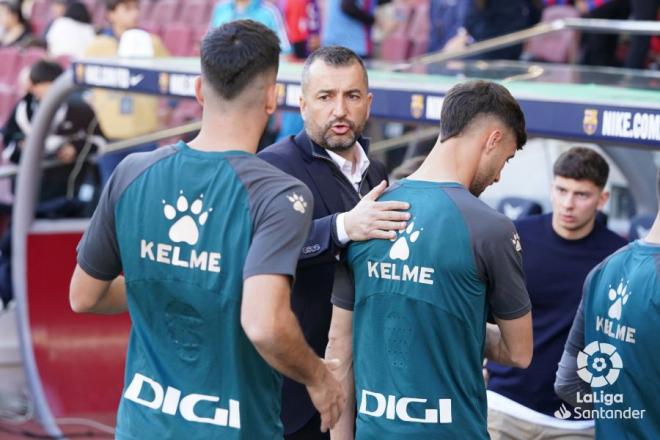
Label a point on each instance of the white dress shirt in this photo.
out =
(353, 173)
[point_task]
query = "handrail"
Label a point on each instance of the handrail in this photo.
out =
(578, 24)
(11, 170)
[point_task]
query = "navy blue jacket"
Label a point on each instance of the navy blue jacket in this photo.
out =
(310, 298)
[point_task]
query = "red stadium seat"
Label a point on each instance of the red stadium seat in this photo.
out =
(151, 26)
(40, 10)
(9, 67)
(39, 25)
(196, 13)
(558, 47)
(178, 38)
(419, 28)
(164, 12)
(198, 35)
(30, 56)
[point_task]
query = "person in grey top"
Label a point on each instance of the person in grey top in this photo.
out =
(207, 236)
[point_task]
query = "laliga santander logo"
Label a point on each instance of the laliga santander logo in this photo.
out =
(599, 364)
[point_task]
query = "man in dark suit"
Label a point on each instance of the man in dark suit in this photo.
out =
(330, 157)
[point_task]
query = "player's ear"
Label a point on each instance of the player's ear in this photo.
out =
(603, 197)
(198, 91)
(271, 98)
(493, 141)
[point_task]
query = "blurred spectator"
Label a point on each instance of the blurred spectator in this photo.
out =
(348, 23)
(302, 21)
(600, 49)
(57, 10)
(73, 125)
(447, 17)
(124, 115)
(72, 33)
(258, 10)
(640, 44)
(487, 19)
(16, 29)
(262, 11)
(67, 188)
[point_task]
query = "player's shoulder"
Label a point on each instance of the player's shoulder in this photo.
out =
(135, 165)
(483, 220)
(260, 177)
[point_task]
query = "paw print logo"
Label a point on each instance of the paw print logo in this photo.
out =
(185, 229)
(515, 240)
(599, 364)
(298, 202)
(400, 250)
(620, 297)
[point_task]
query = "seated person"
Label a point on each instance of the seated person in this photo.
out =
(74, 129)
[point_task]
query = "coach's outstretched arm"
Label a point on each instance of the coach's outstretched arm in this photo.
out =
(274, 330)
(510, 342)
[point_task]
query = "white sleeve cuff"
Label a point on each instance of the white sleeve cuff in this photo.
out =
(342, 236)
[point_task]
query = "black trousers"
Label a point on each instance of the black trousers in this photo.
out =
(639, 44)
(311, 431)
(600, 49)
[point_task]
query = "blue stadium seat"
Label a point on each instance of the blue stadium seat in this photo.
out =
(640, 226)
(518, 207)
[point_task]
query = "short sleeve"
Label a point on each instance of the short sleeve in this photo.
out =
(343, 288)
(98, 250)
(279, 232)
(500, 262)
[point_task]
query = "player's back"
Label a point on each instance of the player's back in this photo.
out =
(184, 222)
(420, 312)
(622, 351)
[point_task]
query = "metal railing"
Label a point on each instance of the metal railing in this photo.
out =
(578, 24)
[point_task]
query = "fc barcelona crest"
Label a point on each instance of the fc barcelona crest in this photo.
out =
(164, 82)
(590, 121)
(281, 93)
(417, 106)
(80, 73)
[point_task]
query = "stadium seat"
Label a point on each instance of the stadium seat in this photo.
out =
(517, 208)
(198, 34)
(395, 46)
(30, 56)
(419, 29)
(39, 25)
(40, 10)
(163, 12)
(178, 38)
(557, 47)
(196, 13)
(640, 226)
(9, 67)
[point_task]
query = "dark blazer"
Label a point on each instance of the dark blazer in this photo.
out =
(310, 297)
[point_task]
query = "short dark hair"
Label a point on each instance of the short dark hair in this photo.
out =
(337, 56)
(44, 71)
(582, 163)
(466, 101)
(236, 53)
(78, 11)
(111, 5)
